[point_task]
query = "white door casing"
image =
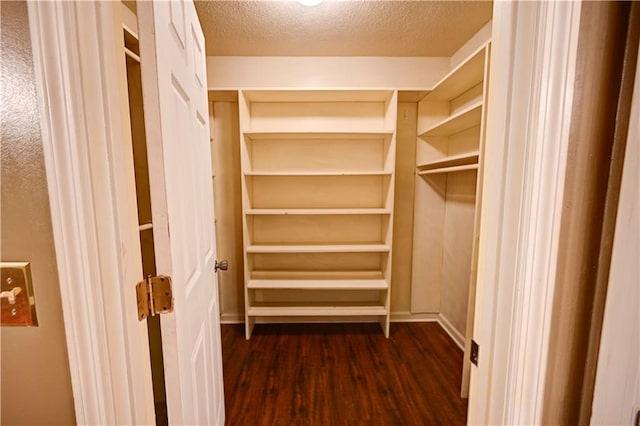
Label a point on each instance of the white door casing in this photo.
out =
(177, 122)
(530, 96)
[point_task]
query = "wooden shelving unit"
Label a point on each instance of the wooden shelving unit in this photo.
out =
(449, 169)
(318, 204)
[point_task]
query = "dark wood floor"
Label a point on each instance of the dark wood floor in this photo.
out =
(342, 374)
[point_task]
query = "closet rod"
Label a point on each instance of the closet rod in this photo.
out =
(145, 226)
(132, 55)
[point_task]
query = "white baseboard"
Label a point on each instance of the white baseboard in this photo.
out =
(231, 319)
(409, 317)
(455, 335)
(235, 318)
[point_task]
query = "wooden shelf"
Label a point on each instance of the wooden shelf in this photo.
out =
(449, 169)
(293, 212)
(318, 284)
(309, 173)
(454, 160)
(317, 95)
(313, 310)
(289, 274)
(462, 78)
(458, 122)
(324, 248)
(317, 135)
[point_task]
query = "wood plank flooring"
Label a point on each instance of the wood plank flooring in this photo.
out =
(342, 374)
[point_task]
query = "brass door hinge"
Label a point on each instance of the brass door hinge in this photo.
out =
(154, 296)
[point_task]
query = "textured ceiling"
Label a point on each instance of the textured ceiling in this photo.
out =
(340, 28)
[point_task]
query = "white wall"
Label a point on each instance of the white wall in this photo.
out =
(234, 72)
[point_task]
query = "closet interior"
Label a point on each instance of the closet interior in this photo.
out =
(313, 177)
(449, 167)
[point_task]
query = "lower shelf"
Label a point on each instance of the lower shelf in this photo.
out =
(293, 274)
(351, 310)
(317, 280)
(317, 248)
(318, 284)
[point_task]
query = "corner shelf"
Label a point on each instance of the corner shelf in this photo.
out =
(454, 163)
(462, 78)
(462, 120)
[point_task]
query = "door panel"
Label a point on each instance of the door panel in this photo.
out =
(175, 100)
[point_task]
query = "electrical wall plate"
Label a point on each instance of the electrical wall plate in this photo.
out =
(17, 303)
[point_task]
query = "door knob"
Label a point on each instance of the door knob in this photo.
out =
(222, 265)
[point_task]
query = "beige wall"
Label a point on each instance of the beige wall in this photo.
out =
(460, 210)
(35, 379)
(225, 150)
(402, 73)
(403, 209)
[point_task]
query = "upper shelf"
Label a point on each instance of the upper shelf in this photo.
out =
(462, 120)
(312, 135)
(462, 78)
(325, 112)
(319, 95)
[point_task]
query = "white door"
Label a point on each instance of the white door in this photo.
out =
(177, 125)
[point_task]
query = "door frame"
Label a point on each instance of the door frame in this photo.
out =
(89, 168)
(80, 76)
(534, 51)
